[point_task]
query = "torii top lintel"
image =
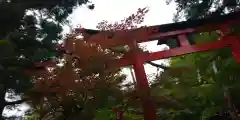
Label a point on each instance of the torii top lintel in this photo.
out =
(158, 32)
(180, 30)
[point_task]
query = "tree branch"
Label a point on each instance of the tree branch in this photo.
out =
(15, 102)
(158, 65)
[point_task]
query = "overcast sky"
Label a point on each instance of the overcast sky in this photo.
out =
(116, 10)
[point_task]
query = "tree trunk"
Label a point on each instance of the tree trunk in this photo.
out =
(231, 108)
(2, 100)
(133, 76)
(2, 108)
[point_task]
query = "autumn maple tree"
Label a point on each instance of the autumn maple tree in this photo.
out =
(82, 86)
(79, 87)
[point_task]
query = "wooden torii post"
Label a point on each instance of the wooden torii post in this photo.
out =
(179, 30)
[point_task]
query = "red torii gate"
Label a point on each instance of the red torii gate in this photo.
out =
(179, 30)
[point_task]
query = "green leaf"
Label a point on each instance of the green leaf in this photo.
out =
(208, 112)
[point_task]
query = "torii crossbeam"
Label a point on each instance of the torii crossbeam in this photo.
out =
(179, 30)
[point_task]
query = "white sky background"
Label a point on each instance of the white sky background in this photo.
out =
(116, 10)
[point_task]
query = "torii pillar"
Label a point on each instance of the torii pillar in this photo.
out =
(133, 57)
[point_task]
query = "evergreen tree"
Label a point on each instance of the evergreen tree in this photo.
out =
(26, 39)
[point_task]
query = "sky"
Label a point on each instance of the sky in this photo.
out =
(116, 10)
